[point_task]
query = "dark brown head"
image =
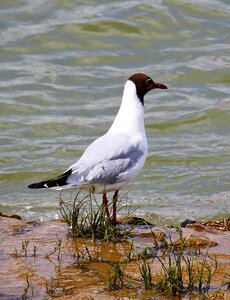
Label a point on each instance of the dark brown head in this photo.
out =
(144, 84)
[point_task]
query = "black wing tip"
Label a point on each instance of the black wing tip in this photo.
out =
(38, 185)
(55, 182)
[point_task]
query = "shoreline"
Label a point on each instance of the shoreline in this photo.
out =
(40, 261)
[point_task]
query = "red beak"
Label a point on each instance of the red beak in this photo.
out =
(159, 86)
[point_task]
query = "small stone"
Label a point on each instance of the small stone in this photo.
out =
(135, 221)
(186, 222)
(197, 227)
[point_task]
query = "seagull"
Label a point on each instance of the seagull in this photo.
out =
(113, 160)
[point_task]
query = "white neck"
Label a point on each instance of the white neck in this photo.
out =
(130, 117)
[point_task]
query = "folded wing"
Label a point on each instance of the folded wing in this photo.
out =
(105, 161)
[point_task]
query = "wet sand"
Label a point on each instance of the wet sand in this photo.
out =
(39, 260)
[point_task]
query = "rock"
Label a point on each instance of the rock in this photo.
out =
(186, 222)
(197, 227)
(135, 221)
(14, 216)
(223, 224)
(195, 241)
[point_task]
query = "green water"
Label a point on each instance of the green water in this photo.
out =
(63, 67)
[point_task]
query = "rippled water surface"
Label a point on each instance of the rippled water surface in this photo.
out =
(63, 67)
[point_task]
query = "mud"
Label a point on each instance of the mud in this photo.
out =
(39, 260)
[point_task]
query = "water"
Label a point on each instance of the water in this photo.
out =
(63, 67)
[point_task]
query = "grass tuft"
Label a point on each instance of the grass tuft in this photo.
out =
(86, 218)
(145, 270)
(184, 271)
(57, 249)
(23, 252)
(117, 278)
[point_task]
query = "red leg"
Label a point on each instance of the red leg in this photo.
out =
(114, 219)
(105, 202)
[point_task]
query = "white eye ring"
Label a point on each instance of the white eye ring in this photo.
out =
(148, 81)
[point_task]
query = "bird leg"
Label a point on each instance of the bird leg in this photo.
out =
(105, 203)
(114, 218)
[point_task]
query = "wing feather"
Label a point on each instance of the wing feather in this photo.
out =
(106, 163)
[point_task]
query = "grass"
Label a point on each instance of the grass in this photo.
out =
(117, 278)
(177, 266)
(23, 252)
(145, 270)
(166, 267)
(28, 287)
(86, 218)
(51, 286)
(181, 270)
(57, 249)
(184, 271)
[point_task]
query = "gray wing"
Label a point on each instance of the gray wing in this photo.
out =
(107, 161)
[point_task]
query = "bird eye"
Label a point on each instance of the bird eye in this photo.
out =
(148, 82)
